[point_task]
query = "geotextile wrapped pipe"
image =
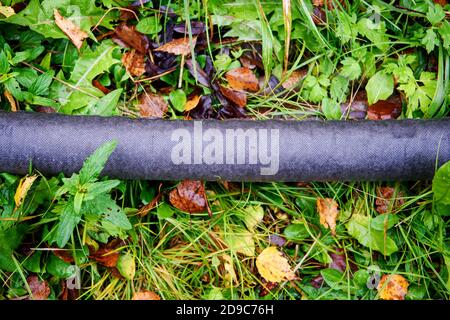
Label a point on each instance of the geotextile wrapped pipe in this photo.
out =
(233, 150)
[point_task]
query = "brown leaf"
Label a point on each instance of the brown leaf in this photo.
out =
(393, 287)
(101, 87)
(338, 261)
(151, 205)
(237, 97)
(152, 105)
(180, 46)
(192, 102)
(127, 36)
(294, 79)
(242, 79)
(387, 200)
(273, 266)
(134, 62)
(70, 29)
(11, 100)
(67, 293)
(40, 289)
(44, 109)
(267, 287)
(189, 196)
(65, 255)
(441, 2)
(107, 255)
(328, 212)
(356, 107)
(146, 295)
(385, 109)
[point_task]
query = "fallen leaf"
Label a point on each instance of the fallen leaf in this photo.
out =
(253, 215)
(189, 196)
(328, 212)
(70, 29)
(356, 107)
(101, 87)
(134, 62)
(393, 287)
(11, 100)
(107, 255)
(6, 11)
(146, 295)
(385, 109)
(237, 97)
(40, 290)
(152, 105)
(126, 266)
(294, 79)
(180, 46)
(127, 36)
(443, 3)
(197, 27)
(386, 202)
(242, 79)
(276, 240)
(192, 102)
(65, 255)
(43, 109)
(198, 73)
(23, 188)
(338, 261)
(228, 266)
(273, 266)
(240, 240)
(267, 287)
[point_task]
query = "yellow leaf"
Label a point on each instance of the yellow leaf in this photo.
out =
(146, 295)
(11, 100)
(70, 29)
(273, 266)
(22, 190)
(7, 11)
(328, 211)
(241, 241)
(393, 287)
(192, 103)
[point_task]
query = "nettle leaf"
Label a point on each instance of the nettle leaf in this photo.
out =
(89, 65)
(94, 164)
(359, 227)
(379, 87)
(41, 84)
(68, 220)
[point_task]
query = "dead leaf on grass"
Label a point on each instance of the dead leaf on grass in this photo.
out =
(127, 36)
(152, 105)
(23, 188)
(70, 29)
(237, 97)
(189, 196)
(146, 295)
(328, 212)
(192, 102)
(242, 79)
(393, 287)
(388, 200)
(273, 266)
(134, 62)
(40, 289)
(180, 46)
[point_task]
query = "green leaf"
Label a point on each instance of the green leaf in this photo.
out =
(331, 109)
(252, 216)
(4, 64)
(379, 87)
(105, 106)
(339, 88)
(351, 69)
(240, 240)
(441, 185)
(97, 188)
(149, 25)
(332, 277)
(359, 228)
(67, 223)
(296, 232)
(126, 266)
(430, 40)
(384, 221)
(178, 99)
(164, 211)
(435, 14)
(95, 163)
(444, 30)
(58, 267)
(10, 240)
(41, 84)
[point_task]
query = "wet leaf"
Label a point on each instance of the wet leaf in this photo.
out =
(192, 103)
(237, 97)
(134, 62)
(180, 46)
(40, 289)
(127, 36)
(388, 200)
(126, 266)
(393, 287)
(23, 188)
(242, 79)
(189, 196)
(70, 29)
(328, 212)
(294, 79)
(146, 295)
(152, 105)
(273, 266)
(385, 109)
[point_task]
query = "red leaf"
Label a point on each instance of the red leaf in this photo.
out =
(40, 289)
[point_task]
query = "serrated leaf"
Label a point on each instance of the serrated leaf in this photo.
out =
(94, 164)
(68, 220)
(441, 185)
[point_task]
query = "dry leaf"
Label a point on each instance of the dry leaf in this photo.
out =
(40, 289)
(6, 11)
(386, 202)
(65, 255)
(127, 36)
(192, 103)
(328, 212)
(242, 79)
(23, 188)
(294, 79)
(146, 295)
(180, 46)
(107, 255)
(393, 287)
(134, 62)
(273, 266)
(11, 100)
(189, 196)
(237, 97)
(100, 87)
(385, 109)
(71, 30)
(152, 105)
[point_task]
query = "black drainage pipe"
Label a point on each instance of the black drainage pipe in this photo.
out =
(234, 150)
